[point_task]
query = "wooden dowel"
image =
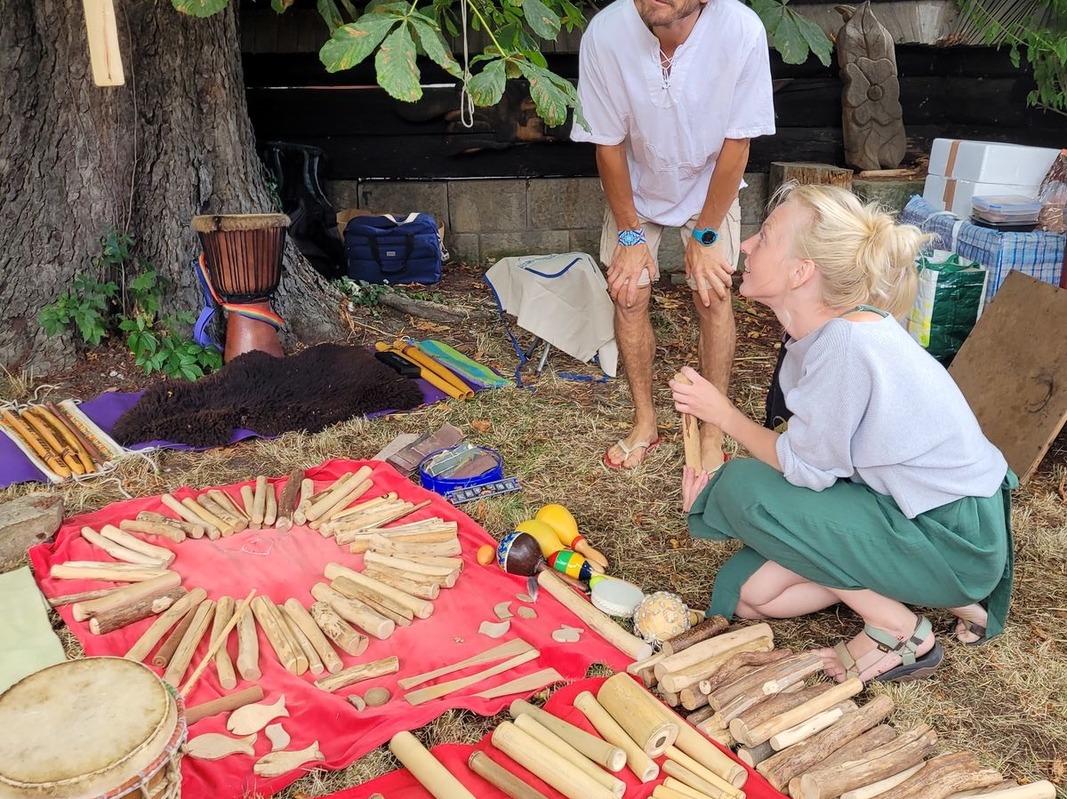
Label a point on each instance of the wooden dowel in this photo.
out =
(355, 612)
(422, 608)
(426, 769)
(135, 544)
(244, 697)
(537, 758)
(130, 594)
(599, 751)
(224, 608)
(501, 779)
(270, 507)
(315, 665)
(248, 648)
(345, 637)
(218, 642)
(173, 615)
(278, 636)
(183, 655)
(359, 673)
(248, 498)
(542, 734)
(259, 503)
(111, 572)
(639, 763)
(106, 621)
(302, 618)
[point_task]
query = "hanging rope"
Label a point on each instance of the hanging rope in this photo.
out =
(466, 102)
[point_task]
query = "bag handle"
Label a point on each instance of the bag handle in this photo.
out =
(409, 248)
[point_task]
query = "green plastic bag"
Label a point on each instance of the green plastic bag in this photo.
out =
(951, 297)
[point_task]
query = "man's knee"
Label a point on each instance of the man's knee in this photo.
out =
(720, 307)
(636, 311)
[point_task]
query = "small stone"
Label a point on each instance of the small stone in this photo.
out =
(527, 613)
(376, 697)
(357, 702)
(25, 522)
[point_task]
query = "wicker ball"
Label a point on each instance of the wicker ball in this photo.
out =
(660, 616)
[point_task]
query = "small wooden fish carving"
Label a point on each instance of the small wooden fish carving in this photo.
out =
(277, 763)
(278, 737)
(215, 745)
(253, 718)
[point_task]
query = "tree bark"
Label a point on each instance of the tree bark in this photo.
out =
(76, 159)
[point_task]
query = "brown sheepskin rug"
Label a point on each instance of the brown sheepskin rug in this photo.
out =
(310, 390)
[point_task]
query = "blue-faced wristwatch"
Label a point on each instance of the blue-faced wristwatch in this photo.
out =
(628, 238)
(706, 236)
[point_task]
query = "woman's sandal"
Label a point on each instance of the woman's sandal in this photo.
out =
(973, 627)
(911, 668)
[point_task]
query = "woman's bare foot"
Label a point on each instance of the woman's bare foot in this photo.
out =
(862, 656)
(971, 623)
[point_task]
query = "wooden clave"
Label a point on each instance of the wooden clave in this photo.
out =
(81, 596)
(858, 747)
(117, 551)
(500, 778)
(113, 572)
(537, 758)
(611, 757)
(359, 673)
(340, 501)
(409, 566)
(150, 637)
(426, 768)
(361, 543)
(711, 647)
(347, 639)
(132, 542)
(218, 642)
(388, 546)
(248, 648)
(694, 635)
(228, 502)
(412, 584)
(623, 698)
(170, 644)
(772, 678)
(302, 618)
(224, 608)
(355, 612)
(639, 763)
(259, 502)
(145, 517)
(420, 607)
(229, 523)
(530, 726)
(874, 788)
(361, 508)
(739, 665)
(806, 729)
(183, 655)
(286, 650)
(189, 515)
(106, 621)
(824, 701)
(168, 531)
(270, 506)
(315, 664)
(774, 706)
(127, 595)
(338, 493)
(248, 499)
(224, 703)
(690, 433)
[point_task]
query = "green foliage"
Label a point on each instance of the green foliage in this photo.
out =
(1042, 39)
(361, 293)
(94, 307)
(793, 36)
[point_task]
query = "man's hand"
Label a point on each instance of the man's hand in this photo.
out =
(693, 482)
(625, 272)
(700, 398)
(707, 270)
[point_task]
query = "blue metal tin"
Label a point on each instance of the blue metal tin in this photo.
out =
(442, 484)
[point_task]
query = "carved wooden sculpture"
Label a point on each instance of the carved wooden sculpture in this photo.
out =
(871, 119)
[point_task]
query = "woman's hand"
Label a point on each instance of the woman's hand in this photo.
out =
(699, 398)
(693, 482)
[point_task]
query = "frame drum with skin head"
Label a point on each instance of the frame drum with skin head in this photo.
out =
(91, 728)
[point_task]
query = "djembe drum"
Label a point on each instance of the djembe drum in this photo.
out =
(243, 258)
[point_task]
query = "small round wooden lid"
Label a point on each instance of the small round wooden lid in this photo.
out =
(80, 727)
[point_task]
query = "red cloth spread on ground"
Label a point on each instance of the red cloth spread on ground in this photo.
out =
(283, 565)
(401, 784)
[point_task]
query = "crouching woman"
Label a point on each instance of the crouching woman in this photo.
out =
(882, 492)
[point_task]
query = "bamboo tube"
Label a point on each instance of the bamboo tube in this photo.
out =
(135, 544)
(287, 652)
(672, 788)
(355, 612)
(420, 607)
(712, 647)
(315, 665)
(114, 572)
(543, 735)
(117, 551)
(347, 639)
(763, 732)
(359, 673)
(702, 771)
(599, 751)
(188, 515)
(224, 608)
(129, 594)
(302, 618)
(223, 703)
(806, 729)
(248, 648)
(537, 758)
(501, 779)
(183, 655)
(307, 489)
(425, 768)
(143, 645)
(639, 763)
(624, 699)
(248, 499)
(259, 502)
(694, 781)
(218, 642)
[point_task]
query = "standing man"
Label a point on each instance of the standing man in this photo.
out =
(672, 91)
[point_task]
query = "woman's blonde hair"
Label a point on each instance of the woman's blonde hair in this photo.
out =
(862, 254)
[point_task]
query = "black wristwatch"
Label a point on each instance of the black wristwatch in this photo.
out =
(706, 236)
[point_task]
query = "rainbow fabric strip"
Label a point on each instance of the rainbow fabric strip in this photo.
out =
(467, 368)
(247, 311)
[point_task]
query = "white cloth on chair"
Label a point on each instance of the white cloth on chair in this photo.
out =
(562, 299)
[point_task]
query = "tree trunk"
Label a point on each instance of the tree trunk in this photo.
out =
(75, 159)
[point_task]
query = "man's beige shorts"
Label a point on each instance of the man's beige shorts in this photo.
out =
(729, 238)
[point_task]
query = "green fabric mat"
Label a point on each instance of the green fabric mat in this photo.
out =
(27, 642)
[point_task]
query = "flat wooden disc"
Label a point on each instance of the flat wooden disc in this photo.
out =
(74, 727)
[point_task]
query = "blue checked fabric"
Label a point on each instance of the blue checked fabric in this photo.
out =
(1036, 254)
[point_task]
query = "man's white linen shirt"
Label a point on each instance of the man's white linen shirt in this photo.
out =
(719, 88)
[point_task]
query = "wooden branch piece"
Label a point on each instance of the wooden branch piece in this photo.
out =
(763, 732)
(354, 611)
(359, 673)
(706, 629)
(288, 653)
(346, 638)
(106, 621)
(224, 608)
(171, 616)
(183, 655)
(128, 595)
(303, 619)
(248, 648)
(223, 704)
(600, 622)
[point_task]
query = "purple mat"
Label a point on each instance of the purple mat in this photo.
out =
(105, 410)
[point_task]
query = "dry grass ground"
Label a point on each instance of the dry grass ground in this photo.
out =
(1007, 701)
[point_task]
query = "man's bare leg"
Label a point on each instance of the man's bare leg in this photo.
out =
(637, 346)
(716, 350)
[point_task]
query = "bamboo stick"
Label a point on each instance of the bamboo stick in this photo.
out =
(608, 755)
(426, 769)
(544, 735)
(639, 763)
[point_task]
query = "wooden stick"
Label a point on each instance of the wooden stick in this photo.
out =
(321, 505)
(600, 622)
(423, 695)
(307, 489)
(183, 655)
(355, 612)
(644, 669)
(278, 636)
(806, 729)
(501, 779)
(66, 432)
(733, 699)
(361, 542)
(364, 506)
(425, 768)
(409, 566)
(81, 596)
(170, 532)
(712, 647)
(342, 499)
(113, 572)
(226, 501)
(881, 786)
(65, 453)
(740, 664)
(229, 702)
(359, 673)
(259, 502)
(416, 588)
(708, 628)
(522, 685)
(1042, 789)
(774, 706)
(673, 788)
(288, 500)
(190, 529)
(599, 751)
(763, 732)
(98, 457)
(130, 594)
(420, 607)
(345, 586)
(104, 622)
(118, 552)
(347, 639)
(210, 519)
(270, 507)
(639, 763)
(188, 515)
(218, 642)
(176, 612)
(303, 619)
(699, 769)
(693, 676)
(690, 433)
(537, 758)
(224, 608)
(542, 734)
(248, 648)
(229, 522)
(315, 665)
(135, 544)
(858, 747)
(946, 774)
(388, 546)
(624, 699)
(499, 652)
(248, 497)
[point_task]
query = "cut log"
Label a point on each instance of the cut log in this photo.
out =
(807, 173)
(259, 503)
(338, 630)
(389, 546)
(129, 595)
(106, 621)
(302, 618)
(945, 775)
(713, 647)
(763, 732)
(307, 490)
(27, 521)
(875, 788)
(270, 507)
(354, 611)
(773, 706)
(170, 644)
(416, 588)
(189, 528)
(248, 499)
(150, 637)
(858, 747)
(694, 635)
(359, 673)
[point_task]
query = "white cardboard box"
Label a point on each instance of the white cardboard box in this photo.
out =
(991, 162)
(949, 194)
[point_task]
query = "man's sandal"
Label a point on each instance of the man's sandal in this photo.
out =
(911, 668)
(628, 450)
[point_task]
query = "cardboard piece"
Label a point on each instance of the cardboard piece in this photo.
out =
(1013, 370)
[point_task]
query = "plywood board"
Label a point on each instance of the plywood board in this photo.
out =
(1013, 370)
